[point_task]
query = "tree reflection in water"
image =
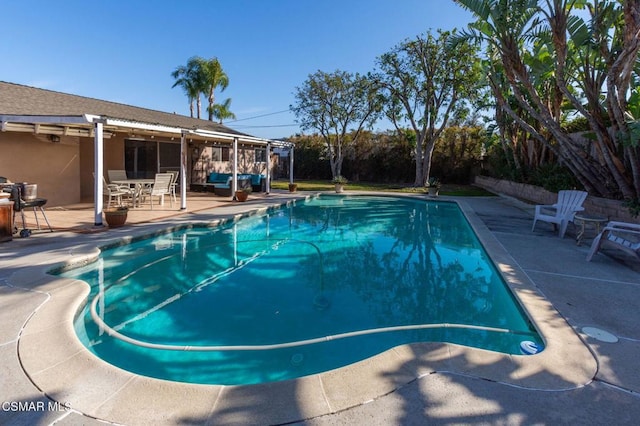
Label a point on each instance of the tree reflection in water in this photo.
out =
(331, 265)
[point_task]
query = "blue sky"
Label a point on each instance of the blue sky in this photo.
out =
(125, 51)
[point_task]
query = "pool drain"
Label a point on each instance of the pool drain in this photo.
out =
(321, 302)
(296, 359)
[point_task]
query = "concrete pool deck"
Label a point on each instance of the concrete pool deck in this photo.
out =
(577, 378)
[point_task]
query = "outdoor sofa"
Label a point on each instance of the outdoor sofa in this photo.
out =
(220, 183)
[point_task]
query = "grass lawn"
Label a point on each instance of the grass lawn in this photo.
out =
(324, 185)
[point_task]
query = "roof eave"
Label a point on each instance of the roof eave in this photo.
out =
(46, 119)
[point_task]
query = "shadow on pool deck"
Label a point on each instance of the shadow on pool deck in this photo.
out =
(603, 294)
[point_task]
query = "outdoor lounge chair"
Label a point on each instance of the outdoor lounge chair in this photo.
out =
(562, 212)
(622, 235)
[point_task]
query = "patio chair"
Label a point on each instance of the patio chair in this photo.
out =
(562, 212)
(621, 235)
(161, 187)
(174, 184)
(115, 192)
(117, 175)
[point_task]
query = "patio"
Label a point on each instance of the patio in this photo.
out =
(466, 387)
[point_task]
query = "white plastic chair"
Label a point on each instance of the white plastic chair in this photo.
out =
(174, 184)
(117, 175)
(622, 235)
(562, 212)
(161, 187)
(115, 192)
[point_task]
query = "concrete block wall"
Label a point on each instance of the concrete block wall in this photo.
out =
(611, 209)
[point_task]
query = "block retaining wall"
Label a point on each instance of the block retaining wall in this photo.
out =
(611, 209)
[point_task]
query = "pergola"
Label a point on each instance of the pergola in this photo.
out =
(102, 127)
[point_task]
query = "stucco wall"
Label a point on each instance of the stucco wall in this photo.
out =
(53, 166)
(611, 209)
(63, 170)
(113, 159)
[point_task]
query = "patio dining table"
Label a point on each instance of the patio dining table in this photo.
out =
(138, 185)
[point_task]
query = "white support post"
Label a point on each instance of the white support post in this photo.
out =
(234, 179)
(268, 183)
(98, 167)
(183, 172)
(291, 164)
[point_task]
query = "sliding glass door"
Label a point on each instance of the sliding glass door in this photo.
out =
(143, 158)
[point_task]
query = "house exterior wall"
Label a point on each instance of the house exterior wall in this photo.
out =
(53, 166)
(113, 159)
(62, 170)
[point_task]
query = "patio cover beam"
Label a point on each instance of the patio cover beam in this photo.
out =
(183, 171)
(268, 171)
(143, 126)
(234, 179)
(98, 167)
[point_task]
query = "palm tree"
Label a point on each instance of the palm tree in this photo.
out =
(189, 78)
(213, 76)
(222, 111)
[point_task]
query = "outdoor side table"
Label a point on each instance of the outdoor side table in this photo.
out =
(588, 219)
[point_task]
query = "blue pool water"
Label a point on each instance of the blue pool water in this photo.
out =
(372, 272)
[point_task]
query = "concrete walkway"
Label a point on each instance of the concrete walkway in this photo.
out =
(603, 294)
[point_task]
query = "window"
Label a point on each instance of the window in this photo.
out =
(219, 153)
(261, 155)
(216, 153)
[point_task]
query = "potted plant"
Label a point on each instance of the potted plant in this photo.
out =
(433, 185)
(243, 194)
(293, 187)
(339, 182)
(116, 216)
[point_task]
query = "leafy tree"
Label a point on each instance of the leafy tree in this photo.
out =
(459, 152)
(551, 59)
(310, 161)
(426, 85)
(333, 104)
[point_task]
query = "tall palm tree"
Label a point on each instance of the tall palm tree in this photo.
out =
(222, 111)
(189, 78)
(213, 76)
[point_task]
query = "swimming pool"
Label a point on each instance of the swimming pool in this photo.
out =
(254, 301)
